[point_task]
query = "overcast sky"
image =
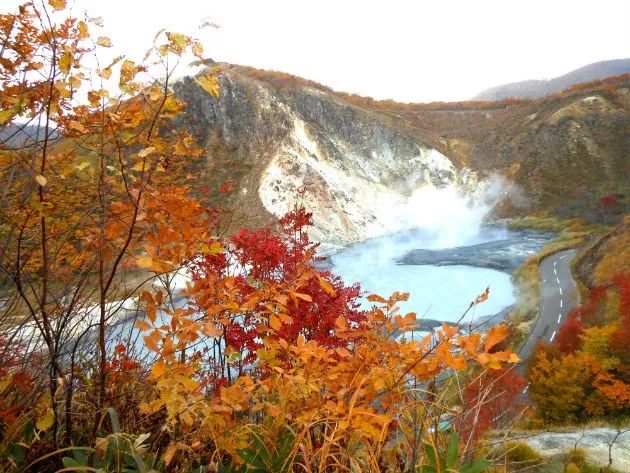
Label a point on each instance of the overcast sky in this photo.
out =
(420, 50)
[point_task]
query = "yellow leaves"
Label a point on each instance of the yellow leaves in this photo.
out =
(151, 341)
(304, 297)
(376, 298)
(154, 265)
(100, 445)
(128, 71)
(407, 322)
(211, 330)
(140, 166)
(83, 165)
(483, 296)
(146, 152)
(145, 262)
(275, 323)
(209, 83)
(84, 32)
(197, 49)
(170, 453)
(343, 352)
(213, 249)
(142, 325)
(7, 115)
(158, 369)
(237, 396)
(488, 361)
(449, 331)
(75, 81)
(57, 4)
(188, 383)
(296, 295)
(156, 94)
(470, 344)
(63, 88)
(41, 180)
(104, 41)
(46, 421)
(65, 62)
(496, 335)
(106, 73)
(95, 96)
(326, 286)
(341, 325)
(177, 42)
(76, 126)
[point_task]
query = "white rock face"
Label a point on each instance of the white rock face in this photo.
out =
(594, 441)
(352, 198)
(359, 173)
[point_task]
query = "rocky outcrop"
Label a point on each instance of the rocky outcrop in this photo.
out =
(606, 257)
(305, 145)
(565, 152)
(352, 161)
(601, 445)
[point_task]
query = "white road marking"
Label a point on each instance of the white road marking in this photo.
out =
(559, 317)
(563, 256)
(554, 271)
(552, 336)
(555, 263)
(561, 303)
(560, 291)
(558, 280)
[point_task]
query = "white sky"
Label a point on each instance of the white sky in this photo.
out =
(416, 50)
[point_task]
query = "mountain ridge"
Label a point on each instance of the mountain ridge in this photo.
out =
(534, 88)
(302, 144)
(271, 133)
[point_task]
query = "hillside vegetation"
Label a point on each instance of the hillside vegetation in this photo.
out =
(564, 155)
(235, 354)
(161, 305)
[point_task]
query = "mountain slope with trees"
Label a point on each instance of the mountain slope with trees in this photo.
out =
(565, 154)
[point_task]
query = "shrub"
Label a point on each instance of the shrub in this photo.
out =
(521, 453)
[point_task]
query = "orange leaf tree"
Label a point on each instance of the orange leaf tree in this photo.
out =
(90, 184)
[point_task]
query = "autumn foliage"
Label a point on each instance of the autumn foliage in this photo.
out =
(492, 400)
(137, 336)
(584, 373)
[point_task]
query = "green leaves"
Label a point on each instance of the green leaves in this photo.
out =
(259, 459)
(438, 462)
(451, 453)
(477, 466)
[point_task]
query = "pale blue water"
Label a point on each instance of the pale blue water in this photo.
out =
(437, 292)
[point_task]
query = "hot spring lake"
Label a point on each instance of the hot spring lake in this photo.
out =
(442, 276)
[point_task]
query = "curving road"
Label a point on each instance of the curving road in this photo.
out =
(558, 296)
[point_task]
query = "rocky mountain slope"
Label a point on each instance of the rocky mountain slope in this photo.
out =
(302, 144)
(605, 257)
(565, 152)
(531, 89)
(279, 140)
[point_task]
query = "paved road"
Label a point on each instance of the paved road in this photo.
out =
(558, 296)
